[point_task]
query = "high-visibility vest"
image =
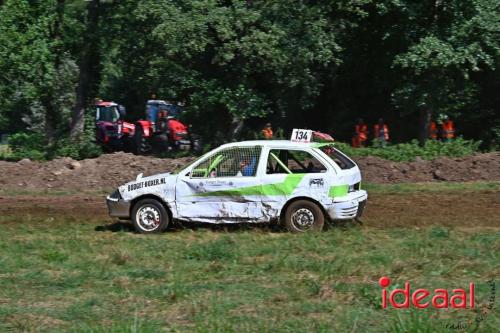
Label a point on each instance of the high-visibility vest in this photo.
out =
(378, 132)
(361, 132)
(448, 130)
(433, 131)
(268, 133)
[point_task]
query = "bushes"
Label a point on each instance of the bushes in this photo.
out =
(409, 151)
(34, 147)
(27, 145)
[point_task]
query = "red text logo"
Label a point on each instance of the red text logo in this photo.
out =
(423, 298)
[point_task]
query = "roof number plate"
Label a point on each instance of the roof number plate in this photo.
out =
(301, 135)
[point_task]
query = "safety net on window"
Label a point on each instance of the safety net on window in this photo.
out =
(230, 162)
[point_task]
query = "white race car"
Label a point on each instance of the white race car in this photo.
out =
(296, 183)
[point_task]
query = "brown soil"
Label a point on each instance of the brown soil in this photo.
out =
(479, 167)
(466, 209)
(102, 173)
(111, 170)
(411, 210)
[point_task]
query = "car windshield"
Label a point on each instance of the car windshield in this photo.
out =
(339, 158)
(109, 113)
(187, 164)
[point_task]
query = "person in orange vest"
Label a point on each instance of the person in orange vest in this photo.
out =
(448, 129)
(360, 134)
(381, 132)
(267, 132)
(433, 130)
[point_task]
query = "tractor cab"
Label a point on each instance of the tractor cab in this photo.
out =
(109, 112)
(112, 131)
(160, 109)
(163, 130)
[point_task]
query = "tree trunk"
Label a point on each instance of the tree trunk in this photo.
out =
(50, 118)
(88, 70)
(236, 127)
(51, 115)
(423, 128)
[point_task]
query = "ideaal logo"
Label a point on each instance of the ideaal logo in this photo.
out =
(461, 298)
(423, 298)
(146, 183)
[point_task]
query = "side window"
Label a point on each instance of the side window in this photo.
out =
(340, 159)
(230, 162)
(293, 161)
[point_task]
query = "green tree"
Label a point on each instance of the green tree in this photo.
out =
(231, 60)
(89, 68)
(449, 41)
(37, 72)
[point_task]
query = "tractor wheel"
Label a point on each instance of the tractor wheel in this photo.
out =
(161, 143)
(149, 216)
(140, 144)
(128, 144)
(196, 144)
(304, 215)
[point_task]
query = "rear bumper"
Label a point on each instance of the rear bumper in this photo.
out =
(118, 207)
(348, 207)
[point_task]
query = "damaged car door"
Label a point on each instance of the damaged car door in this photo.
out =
(222, 188)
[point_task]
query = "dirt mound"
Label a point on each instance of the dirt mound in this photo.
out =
(105, 172)
(485, 167)
(111, 170)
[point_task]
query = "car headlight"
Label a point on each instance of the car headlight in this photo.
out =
(351, 188)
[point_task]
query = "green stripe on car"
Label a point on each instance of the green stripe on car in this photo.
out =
(284, 188)
(338, 191)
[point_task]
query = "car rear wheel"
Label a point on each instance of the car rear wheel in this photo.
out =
(303, 215)
(149, 216)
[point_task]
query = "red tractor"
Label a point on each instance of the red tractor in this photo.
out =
(162, 131)
(112, 131)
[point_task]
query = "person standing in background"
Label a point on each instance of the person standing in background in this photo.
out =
(433, 130)
(267, 132)
(448, 129)
(381, 132)
(360, 134)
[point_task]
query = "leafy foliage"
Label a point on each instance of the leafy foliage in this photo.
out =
(410, 151)
(32, 145)
(239, 64)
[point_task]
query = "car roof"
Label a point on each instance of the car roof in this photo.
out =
(271, 144)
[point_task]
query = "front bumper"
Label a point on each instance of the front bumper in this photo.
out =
(118, 207)
(349, 206)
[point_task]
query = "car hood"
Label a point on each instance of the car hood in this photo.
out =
(156, 184)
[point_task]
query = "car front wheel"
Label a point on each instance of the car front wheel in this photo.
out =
(303, 215)
(149, 216)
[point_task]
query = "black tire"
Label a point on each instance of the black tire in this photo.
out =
(140, 144)
(149, 216)
(162, 143)
(304, 215)
(128, 144)
(196, 144)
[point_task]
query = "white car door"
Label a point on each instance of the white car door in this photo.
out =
(222, 188)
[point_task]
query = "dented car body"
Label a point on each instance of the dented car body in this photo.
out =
(250, 181)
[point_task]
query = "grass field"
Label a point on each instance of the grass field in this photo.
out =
(59, 272)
